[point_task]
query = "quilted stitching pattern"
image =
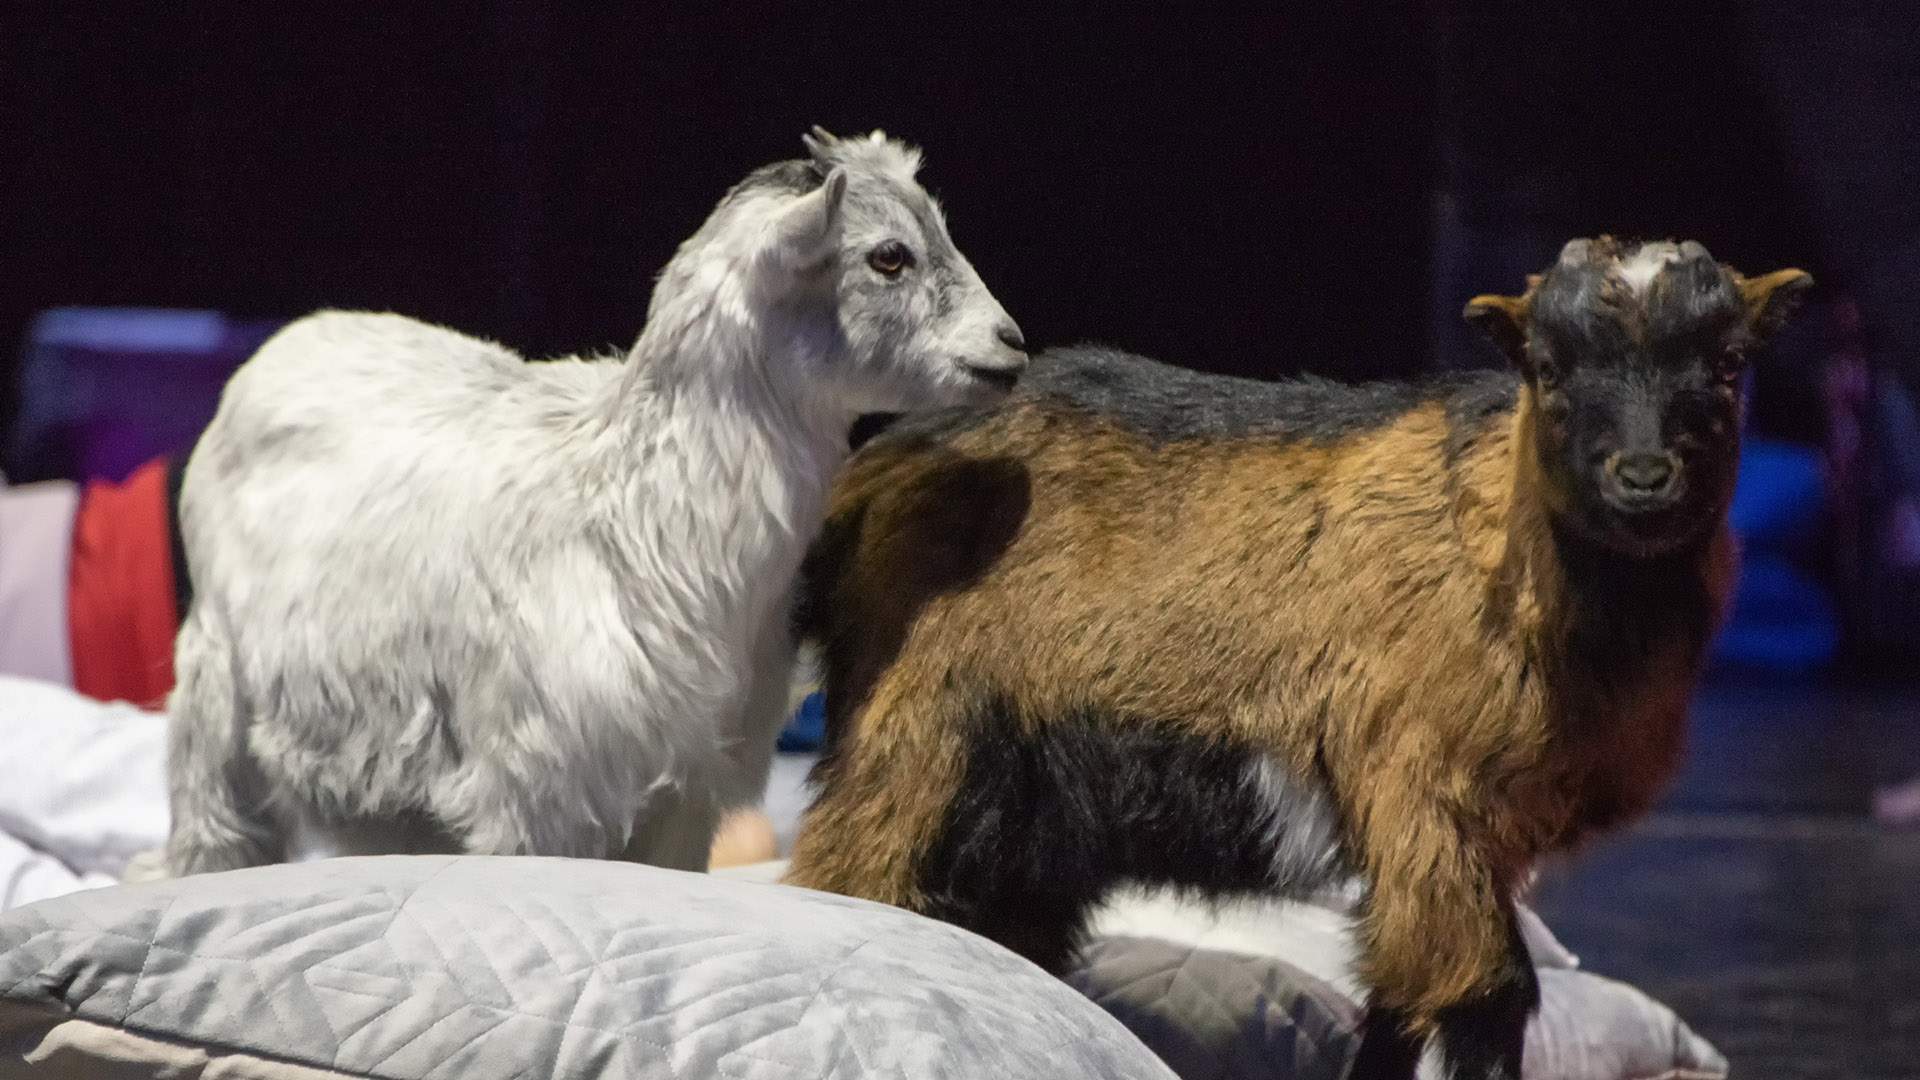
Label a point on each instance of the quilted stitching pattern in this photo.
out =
(425, 968)
(1216, 1015)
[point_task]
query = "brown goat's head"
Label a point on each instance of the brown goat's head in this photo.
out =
(1632, 355)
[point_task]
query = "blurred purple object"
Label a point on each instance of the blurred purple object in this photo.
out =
(106, 389)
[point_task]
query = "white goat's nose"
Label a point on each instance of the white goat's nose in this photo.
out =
(1009, 334)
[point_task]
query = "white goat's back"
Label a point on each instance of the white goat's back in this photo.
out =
(367, 518)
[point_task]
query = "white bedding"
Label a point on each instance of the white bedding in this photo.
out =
(82, 790)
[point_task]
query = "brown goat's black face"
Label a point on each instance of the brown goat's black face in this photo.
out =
(1634, 355)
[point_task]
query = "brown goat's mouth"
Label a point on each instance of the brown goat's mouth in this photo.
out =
(1645, 512)
(1651, 530)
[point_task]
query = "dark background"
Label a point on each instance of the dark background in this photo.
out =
(1302, 188)
(1257, 193)
(1215, 192)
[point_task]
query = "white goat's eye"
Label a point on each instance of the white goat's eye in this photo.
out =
(1547, 373)
(890, 258)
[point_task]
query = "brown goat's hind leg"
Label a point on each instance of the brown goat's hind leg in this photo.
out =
(1047, 930)
(884, 792)
(883, 827)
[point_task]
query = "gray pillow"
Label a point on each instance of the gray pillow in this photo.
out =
(1265, 991)
(1218, 1015)
(427, 967)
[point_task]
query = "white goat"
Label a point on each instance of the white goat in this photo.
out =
(540, 608)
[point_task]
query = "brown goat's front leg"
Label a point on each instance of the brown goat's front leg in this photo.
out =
(1485, 1036)
(1479, 1038)
(1441, 948)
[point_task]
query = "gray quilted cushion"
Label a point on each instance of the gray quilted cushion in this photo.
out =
(1215, 1014)
(478, 968)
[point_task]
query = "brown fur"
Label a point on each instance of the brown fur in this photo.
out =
(1397, 640)
(1393, 613)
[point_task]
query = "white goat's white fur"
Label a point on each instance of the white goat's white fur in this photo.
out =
(541, 607)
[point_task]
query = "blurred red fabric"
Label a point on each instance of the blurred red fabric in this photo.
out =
(120, 591)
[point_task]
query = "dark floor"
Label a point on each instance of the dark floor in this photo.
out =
(1763, 902)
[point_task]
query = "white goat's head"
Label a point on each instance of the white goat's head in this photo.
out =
(851, 272)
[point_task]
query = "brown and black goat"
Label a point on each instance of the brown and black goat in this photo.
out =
(1145, 625)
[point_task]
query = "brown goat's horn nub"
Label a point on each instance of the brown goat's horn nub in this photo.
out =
(1576, 252)
(1694, 251)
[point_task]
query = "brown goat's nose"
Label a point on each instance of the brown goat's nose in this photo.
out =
(1010, 336)
(1644, 474)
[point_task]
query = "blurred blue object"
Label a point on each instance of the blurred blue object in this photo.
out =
(1782, 618)
(807, 728)
(1780, 501)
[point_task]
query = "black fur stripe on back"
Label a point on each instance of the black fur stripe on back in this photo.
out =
(1164, 404)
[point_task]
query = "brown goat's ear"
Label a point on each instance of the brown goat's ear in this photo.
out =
(1504, 320)
(1770, 298)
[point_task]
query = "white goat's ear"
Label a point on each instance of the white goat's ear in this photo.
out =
(809, 228)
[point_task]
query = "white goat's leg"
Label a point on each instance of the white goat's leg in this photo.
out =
(217, 795)
(489, 809)
(404, 834)
(676, 831)
(771, 698)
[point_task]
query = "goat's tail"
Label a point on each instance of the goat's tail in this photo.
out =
(214, 786)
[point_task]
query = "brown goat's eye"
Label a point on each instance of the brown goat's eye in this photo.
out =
(890, 258)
